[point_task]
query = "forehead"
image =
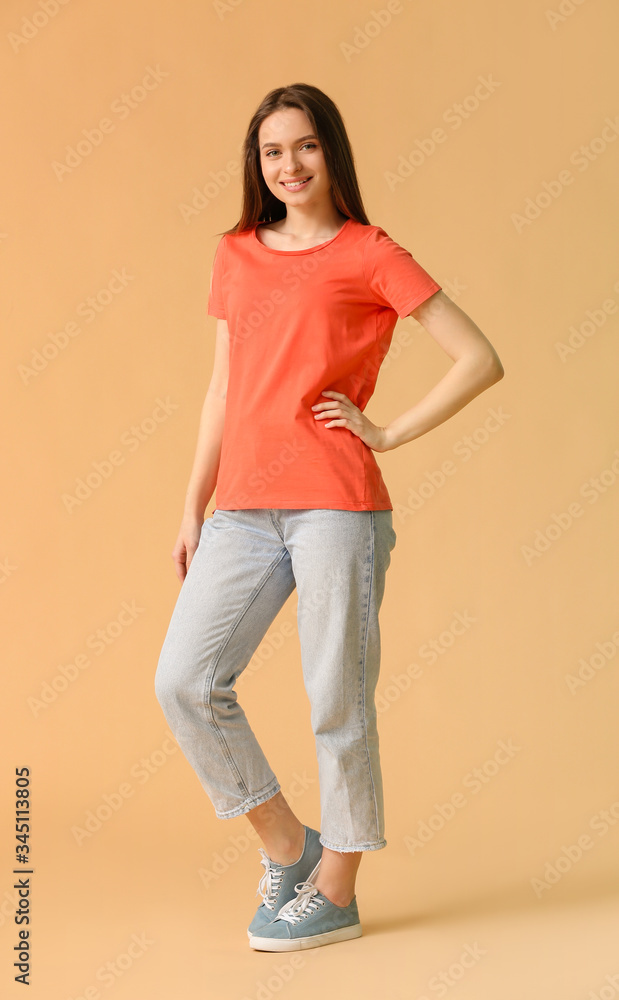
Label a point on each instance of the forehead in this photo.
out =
(289, 123)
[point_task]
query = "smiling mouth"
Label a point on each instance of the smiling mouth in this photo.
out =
(295, 185)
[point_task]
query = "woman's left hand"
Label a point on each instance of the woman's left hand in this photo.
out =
(341, 412)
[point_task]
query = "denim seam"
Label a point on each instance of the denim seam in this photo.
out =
(365, 646)
(274, 522)
(208, 681)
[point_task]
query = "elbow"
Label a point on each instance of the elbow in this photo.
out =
(485, 370)
(497, 371)
(492, 368)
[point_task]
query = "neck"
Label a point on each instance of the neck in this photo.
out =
(312, 221)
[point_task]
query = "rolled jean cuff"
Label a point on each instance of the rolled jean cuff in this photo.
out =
(359, 847)
(256, 800)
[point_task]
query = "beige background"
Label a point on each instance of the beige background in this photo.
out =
(161, 869)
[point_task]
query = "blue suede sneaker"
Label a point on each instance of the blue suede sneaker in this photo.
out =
(308, 921)
(278, 883)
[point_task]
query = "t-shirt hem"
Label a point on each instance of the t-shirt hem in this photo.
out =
(305, 505)
(428, 291)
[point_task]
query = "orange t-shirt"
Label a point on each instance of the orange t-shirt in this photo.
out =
(302, 321)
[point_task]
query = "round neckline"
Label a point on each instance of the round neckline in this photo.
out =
(318, 246)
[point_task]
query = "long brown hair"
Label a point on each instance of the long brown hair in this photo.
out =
(259, 204)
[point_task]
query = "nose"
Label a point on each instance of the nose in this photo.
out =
(291, 164)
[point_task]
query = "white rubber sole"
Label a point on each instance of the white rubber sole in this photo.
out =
(313, 941)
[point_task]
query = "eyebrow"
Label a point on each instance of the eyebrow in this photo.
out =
(265, 144)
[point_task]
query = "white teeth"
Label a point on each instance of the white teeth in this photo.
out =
(294, 184)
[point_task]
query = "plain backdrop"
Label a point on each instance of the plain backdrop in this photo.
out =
(486, 142)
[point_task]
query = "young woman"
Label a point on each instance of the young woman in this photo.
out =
(306, 293)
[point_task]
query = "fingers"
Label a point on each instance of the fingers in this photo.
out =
(340, 398)
(184, 561)
(179, 566)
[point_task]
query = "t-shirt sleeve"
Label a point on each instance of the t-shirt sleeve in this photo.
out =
(216, 305)
(393, 275)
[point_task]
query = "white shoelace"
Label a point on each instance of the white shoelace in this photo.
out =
(271, 881)
(305, 903)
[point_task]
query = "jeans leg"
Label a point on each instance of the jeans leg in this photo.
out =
(339, 559)
(239, 578)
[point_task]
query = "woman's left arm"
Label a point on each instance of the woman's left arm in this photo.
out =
(476, 367)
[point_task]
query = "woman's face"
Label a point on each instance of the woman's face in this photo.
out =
(290, 151)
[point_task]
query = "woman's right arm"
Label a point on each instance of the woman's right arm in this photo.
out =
(203, 478)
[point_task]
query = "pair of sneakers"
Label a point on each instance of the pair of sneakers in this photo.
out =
(294, 914)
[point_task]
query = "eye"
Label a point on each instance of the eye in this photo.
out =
(312, 145)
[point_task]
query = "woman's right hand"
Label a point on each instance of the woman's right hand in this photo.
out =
(186, 545)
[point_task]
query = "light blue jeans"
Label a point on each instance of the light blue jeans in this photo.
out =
(247, 564)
